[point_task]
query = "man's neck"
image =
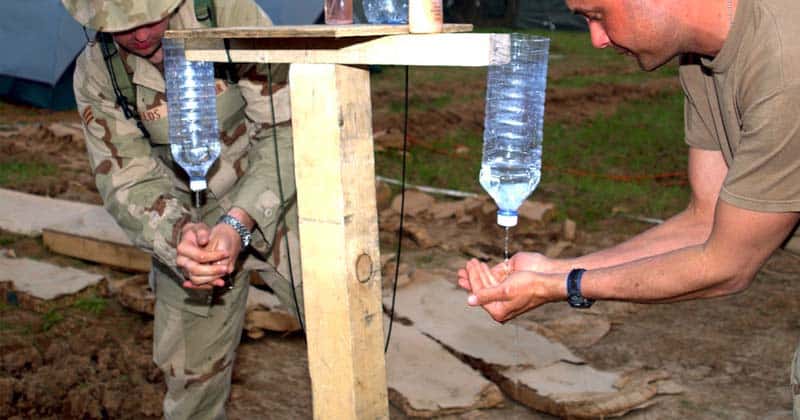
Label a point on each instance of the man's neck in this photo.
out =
(710, 22)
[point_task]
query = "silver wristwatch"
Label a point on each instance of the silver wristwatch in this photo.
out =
(233, 222)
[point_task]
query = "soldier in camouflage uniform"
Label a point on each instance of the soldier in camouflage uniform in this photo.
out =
(197, 326)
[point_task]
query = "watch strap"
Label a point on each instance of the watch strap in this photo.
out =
(244, 233)
(574, 296)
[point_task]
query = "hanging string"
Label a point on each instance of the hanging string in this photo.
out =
(402, 214)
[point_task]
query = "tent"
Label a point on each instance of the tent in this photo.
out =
(39, 42)
(547, 14)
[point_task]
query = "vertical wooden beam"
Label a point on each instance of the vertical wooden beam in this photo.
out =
(335, 175)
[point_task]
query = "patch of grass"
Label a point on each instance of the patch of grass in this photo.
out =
(92, 304)
(420, 105)
(441, 166)
(642, 139)
(51, 319)
(15, 172)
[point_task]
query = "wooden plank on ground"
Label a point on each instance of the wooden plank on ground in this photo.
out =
(528, 367)
(41, 286)
(427, 381)
(27, 214)
(95, 236)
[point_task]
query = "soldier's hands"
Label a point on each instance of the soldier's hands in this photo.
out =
(203, 265)
(503, 292)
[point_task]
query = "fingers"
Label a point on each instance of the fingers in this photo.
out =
(488, 295)
(463, 280)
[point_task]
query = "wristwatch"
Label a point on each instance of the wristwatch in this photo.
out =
(574, 296)
(233, 222)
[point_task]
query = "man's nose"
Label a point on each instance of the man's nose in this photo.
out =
(598, 35)
(141, 34)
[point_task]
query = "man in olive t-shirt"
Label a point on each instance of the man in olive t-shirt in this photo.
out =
(740, 71)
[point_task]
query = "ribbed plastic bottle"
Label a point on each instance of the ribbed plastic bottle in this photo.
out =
(512, 138)
(192, 113)
(391, 12)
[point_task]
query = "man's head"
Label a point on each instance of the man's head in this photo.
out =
(648, 30)
(136, 25)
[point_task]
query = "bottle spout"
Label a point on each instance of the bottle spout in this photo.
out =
(507, 218)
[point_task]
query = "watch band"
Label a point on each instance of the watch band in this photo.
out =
(244, 233)
(574, 296)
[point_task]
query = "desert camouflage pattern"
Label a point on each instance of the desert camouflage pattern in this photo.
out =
(119, 15)
(795, 384)
(149, 197)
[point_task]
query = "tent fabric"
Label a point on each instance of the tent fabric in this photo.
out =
(39, 42)
(549, 14)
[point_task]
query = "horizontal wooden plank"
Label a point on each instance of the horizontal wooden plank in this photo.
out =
(464, 50)
(303, 31)
(126, 257)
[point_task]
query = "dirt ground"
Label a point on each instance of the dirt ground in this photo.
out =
(731, 354)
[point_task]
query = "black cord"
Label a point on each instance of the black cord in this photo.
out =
(402, 214)
(280, 191)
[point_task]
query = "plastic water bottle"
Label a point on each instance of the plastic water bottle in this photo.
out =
(192, 111)
(512, 138)
(386, 11)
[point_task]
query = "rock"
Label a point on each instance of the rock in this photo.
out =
(74, 132)
(420, 235)
(535, 211)
(554, 250)
(383, 195)
(135, 294)
(258, 320)
(447, 209)
(416, 202)
(426, 381)
(403, 274)
(569, 230)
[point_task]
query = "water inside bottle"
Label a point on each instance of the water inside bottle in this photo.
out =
(509, 183)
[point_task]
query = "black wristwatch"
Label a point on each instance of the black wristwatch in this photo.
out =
(574, 296)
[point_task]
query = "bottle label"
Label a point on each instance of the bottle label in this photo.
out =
(425, 16)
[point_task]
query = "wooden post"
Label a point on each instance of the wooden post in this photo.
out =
(335, 176)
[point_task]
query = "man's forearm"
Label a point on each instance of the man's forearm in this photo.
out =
(683, 230)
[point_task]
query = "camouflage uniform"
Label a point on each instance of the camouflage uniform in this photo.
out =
(196, 332)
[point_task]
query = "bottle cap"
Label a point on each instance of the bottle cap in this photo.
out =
(507, 218)
(197, 184)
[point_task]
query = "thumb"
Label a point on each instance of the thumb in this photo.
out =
(488, 295)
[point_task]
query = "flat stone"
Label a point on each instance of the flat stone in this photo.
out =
(426, 381)
(45, 281)
(27, 214)
(439, 309)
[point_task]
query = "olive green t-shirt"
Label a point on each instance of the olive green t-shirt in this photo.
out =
(745, 102)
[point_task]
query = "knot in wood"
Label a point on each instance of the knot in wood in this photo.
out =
(364, 268)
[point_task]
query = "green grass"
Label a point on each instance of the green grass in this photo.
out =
(15, 172)
(92, 304)
(51, 319)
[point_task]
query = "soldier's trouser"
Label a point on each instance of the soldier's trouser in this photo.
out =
(194, 344)
(196, 336)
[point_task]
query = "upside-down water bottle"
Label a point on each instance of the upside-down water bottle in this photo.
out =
(386, 11)
(192, 110)
(512, 138)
